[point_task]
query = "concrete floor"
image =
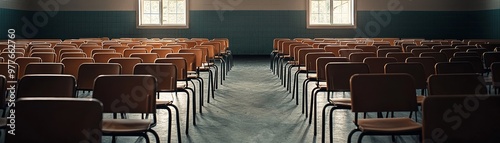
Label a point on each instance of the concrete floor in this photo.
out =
(253, 107)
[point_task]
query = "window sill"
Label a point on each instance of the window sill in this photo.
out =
(162, 27)
(331, 26)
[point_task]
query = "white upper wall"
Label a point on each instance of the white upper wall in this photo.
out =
(363, 5)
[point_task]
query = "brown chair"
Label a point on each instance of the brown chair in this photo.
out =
(476, 62)
(440, 47)
(337, 80)
(347, 52)
(79, 121)
(111, 89)
(88, 72)
(59, 48)
(464, 48)
(44, 68)
(400, 57)
(128, 52)
(456, 84)
(449, 52)
(175, 48)
(334, 49)
(411, 47)
(103, 51)
(51, 50)
(118, 48)
(148, 48)
(166, 75)
(495, 76)
(383, 52)
(301, 62)
(427, 62)
(416, 70)
(45, 56)
(8, 56)
(383, 93)
(72, 64)
(72, 54)
(389, 47)
(360, 56)
(440, 124)
(127, 63)
(87, 49)
(104, 57)
(439, 57)
(376, 64)
(46, 85)
(490, 57)
(23, 62)
(417, 51)
(454, 67)
(367, 48)
(162, 53)
(466, 54)
(146, 57)
(311, 69)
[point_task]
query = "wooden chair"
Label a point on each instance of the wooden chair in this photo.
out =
(104, 57)
(46, 85)
(411, 47)
(454, 67)
(367, 48)
(495, 76)
(376, 64)
(88, 72)
(44, 68)
(400, 57)
(72, 64)
(87, 49)
(162, 52)
(118, 48)
(427, 62)
(347, 52)
(360, 56)
(301, 60)
(127, 63)
(476, 62)
(416, 70)
(103, 51)
(110, 89)
(456, 84)
(334, 49)
(23, 62)
(417, 51)
(166, 74)
(72, 54)
(175, 48)
(449, 52)
(440, 47)
(128, 52)
(146, 57)
(45, 56)
(383, 93)
(439, 57)
(383, 52)
(337, 80)
(64, 125)
(464, 48)
(148, 48)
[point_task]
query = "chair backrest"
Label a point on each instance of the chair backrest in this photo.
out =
(57, 120)
(439, 57)
(454, 67)
(338, 74)
(58, 48)
(118, 48)
(44, 68)
(416, 70)
(321, 63)
(456, 84)
(440, 47)
(180, 64)
(411, 47)
(189, 57)
(175, 48)
(347, 52)
(465, 47)
(296, 50)
(45, 56)
(140, 89)
(495, 74)
(46, 85)
(440, 124)
(71, 54)
(286, 47)
(103, 51)
(417, 51)
(428, 63)
(68, 50)
(198, 55)
(41, 50)
(311, 58)
(334, 49)
(475, 61)
(389, 47)
(147, 47)
(491, 57)
(23, 62)
(449, 52)
(88, 72)
(466, 54)
(128, 52)
(376, 64)
(127, 63)
(104, 57)
(360, 56)
(165, 74)
(383, 52)
(72, 64)
(303, 52)
(146, 57)
(87, 49)
(400, 57)
(162, 52)
(367, 48)
(382, 92)
(190, 44)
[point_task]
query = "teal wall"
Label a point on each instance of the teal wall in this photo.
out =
(10, 18)
(252, 32)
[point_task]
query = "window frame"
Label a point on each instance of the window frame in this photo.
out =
(139, 13)
(332, 26)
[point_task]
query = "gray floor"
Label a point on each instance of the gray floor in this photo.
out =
(251, 107)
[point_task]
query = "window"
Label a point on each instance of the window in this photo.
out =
(163, 14)
(331, 14)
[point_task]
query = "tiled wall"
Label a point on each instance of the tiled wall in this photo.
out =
(252, 32)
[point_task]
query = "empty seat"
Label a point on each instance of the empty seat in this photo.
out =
(44, 68)
(46, 85)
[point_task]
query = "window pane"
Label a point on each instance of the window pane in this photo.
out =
(342, 12)
(174, 12)
(319, 11)
(151, 12)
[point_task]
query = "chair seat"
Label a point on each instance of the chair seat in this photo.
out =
(117, 126)
(341, 102)
(389, 125)
(420, 99)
